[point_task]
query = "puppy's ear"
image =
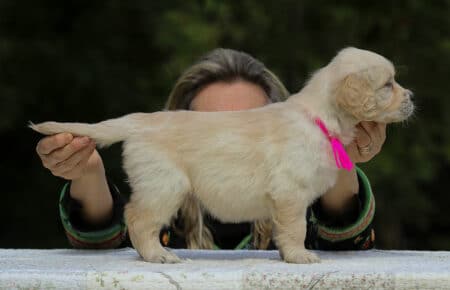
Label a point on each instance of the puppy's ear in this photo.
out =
(355, 95)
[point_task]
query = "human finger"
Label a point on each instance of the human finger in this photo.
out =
(371, 128)
(363, 136)
(50, 143)
(64, 153)
(74, 165)
(376, 132)
(381, 128)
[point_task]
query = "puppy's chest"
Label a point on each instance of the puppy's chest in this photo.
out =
(310, 163)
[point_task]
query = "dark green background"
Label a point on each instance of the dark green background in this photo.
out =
(92, 60)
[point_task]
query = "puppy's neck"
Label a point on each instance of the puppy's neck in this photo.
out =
(318, 99)
(338, 122)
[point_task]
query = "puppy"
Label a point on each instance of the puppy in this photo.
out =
(269, 162)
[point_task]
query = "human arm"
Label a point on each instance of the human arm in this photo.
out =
(90, 211)
(80, 234)
(351, 230)
(91, 190)
(370, 137)
(349, 205)
(75, 159)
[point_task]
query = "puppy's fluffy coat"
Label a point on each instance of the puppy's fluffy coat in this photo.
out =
(269, 162)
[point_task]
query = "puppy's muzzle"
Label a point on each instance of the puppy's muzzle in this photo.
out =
(407, 106)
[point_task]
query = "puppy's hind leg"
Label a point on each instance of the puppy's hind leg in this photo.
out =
(289, 219)
(155, 200)
(144, 228)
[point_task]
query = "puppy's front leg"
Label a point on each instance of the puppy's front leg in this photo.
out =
(290, 232)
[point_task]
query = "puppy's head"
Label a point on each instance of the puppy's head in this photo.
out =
(367, 89)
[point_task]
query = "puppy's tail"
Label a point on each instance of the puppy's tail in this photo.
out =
(104, 133)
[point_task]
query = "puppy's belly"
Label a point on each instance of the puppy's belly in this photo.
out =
(234, 207)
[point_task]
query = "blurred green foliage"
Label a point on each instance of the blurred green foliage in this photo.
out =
(91, 60)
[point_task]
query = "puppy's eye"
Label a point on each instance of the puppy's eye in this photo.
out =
(389, 85)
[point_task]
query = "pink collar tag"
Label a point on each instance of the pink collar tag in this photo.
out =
(340, 155)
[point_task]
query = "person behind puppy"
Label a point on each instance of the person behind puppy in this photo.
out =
(91, 207)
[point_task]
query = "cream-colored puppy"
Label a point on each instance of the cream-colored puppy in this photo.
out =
(269, 162)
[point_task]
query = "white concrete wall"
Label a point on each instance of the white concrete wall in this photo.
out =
(123, 269)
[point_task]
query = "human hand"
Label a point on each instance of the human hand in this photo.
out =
(369, 140)
(67, 156)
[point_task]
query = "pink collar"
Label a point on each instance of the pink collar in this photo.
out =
(340, 155)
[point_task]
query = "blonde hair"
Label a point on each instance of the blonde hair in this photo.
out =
(219, 65)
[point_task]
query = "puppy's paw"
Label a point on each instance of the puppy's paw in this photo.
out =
(300, 257)
(171, 258)
(162, 257)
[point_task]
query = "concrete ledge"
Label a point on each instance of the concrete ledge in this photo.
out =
(123, 269)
